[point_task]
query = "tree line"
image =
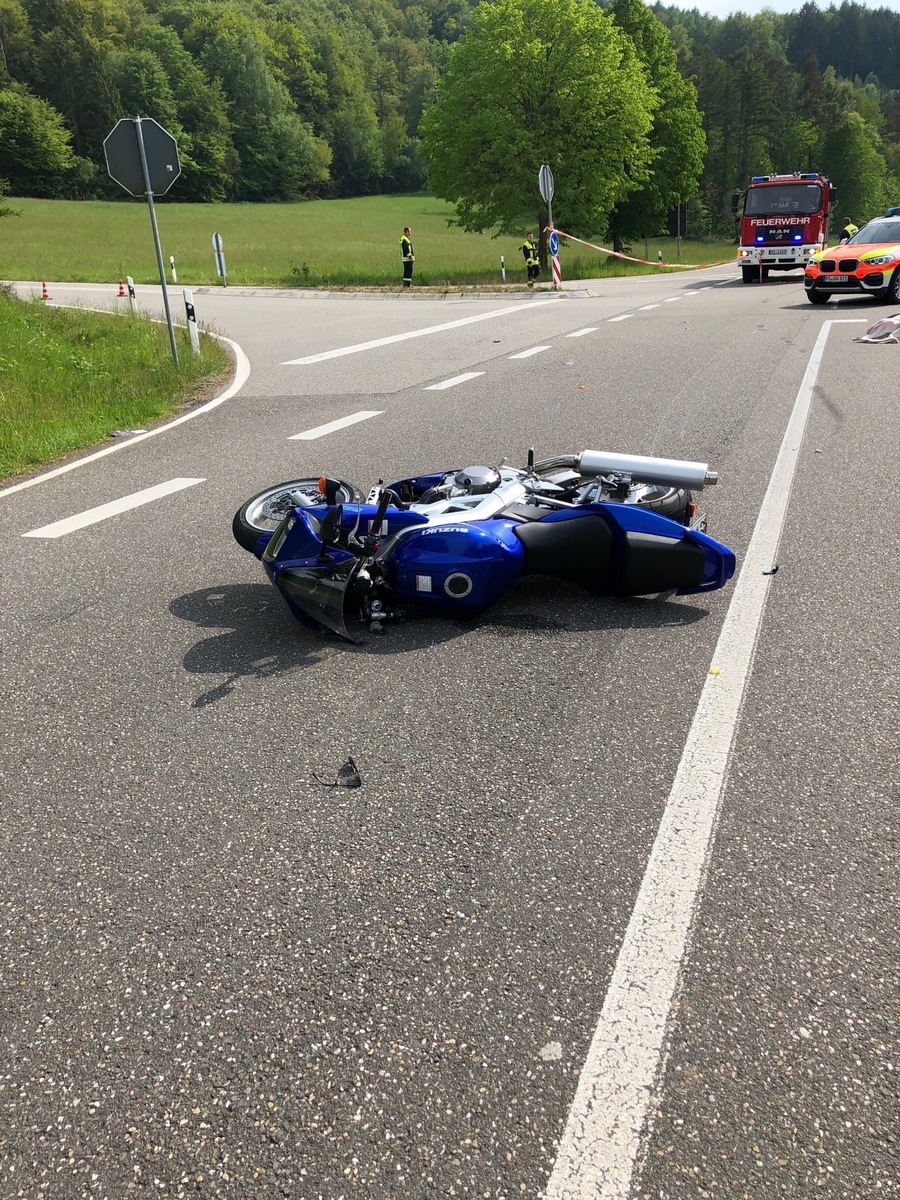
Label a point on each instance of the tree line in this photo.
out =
(289, 99)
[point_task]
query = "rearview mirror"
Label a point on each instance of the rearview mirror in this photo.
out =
(328, 529)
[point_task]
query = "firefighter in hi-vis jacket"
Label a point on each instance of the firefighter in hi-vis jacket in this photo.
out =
(532, 262)
(406, 254)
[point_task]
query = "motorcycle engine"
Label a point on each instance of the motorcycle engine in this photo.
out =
(477, 481)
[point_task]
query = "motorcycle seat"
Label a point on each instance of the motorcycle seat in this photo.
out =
(527, 512)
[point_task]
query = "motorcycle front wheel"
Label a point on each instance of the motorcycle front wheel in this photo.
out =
(265, 511)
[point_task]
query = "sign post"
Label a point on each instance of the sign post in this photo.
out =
(142, 157)
(545, 183)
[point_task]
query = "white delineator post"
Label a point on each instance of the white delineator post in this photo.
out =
(191, 320)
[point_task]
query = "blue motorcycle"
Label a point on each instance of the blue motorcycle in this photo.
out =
(453, 542)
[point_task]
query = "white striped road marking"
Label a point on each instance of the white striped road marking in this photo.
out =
(582, 332)
(670, 299)
(528, 353)
(320, 430)
(624, 317)
(414, 333)
(602, 1138)
(692, 293)
(645, 307)
(448, 383)
(112, 509)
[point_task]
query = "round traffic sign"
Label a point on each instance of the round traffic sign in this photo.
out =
(554, 242)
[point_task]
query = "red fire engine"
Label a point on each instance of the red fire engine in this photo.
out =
(785, 220)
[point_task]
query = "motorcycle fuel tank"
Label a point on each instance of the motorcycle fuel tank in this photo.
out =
(457, 568)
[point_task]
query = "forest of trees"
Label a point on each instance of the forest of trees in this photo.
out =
(290, 99)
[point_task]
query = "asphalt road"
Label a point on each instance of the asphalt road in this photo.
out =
(222, 979)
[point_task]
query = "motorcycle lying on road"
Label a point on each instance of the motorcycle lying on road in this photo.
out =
(453, 542)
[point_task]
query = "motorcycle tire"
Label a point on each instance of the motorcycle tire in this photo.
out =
(674, 503)
(266, 510)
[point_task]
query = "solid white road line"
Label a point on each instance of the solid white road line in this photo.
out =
(582, 332)
(624, 317)
(112, 509)
(320, 430)
(449, 383)
(528, 353)
(602, 1138)
(415, 333)
(241, 375)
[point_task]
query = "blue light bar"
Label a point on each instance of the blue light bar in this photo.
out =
(759, 179)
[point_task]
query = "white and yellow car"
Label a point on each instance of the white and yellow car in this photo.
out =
(866, 265)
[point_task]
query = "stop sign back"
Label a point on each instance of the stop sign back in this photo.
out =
(123, 156)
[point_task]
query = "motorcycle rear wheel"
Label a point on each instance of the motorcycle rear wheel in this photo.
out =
(667, 501)
(265, 511)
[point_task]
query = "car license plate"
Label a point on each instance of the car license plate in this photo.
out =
(779, 250)
(837, 278)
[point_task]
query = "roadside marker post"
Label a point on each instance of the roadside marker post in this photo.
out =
(191, 320)
(172, 265)
(502, 268)
(129, 283)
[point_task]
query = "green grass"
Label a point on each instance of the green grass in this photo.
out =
(69, 377)
(321, 243)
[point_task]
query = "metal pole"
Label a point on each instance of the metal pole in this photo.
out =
(159, 257)
(678, 240)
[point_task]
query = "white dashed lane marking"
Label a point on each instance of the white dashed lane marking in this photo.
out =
(528, 353)
(449, 383)
(647, 307)
(103, 511)
(416, 333)
(582, 332)
(309, 435)
(624, 317)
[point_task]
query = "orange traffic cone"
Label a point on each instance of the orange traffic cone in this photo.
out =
(121, 290)
(45, 295)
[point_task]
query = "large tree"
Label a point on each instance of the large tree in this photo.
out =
(35, 155)
(677, 137)
(532, 82)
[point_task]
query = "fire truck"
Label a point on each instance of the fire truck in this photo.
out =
(785, 220)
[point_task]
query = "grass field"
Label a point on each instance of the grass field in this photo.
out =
(322, 243)
(69, 378)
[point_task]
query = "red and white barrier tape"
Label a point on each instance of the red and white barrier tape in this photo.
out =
(646, 261)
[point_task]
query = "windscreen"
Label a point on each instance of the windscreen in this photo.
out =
(885, 230)
(783, 200)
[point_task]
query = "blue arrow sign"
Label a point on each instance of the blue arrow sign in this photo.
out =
(554, 242)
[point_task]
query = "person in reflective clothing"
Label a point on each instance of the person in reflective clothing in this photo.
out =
(532, 262)
(847, 231)
(407, 256)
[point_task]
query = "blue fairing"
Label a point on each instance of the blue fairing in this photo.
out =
(720, 561)
(463, 568)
